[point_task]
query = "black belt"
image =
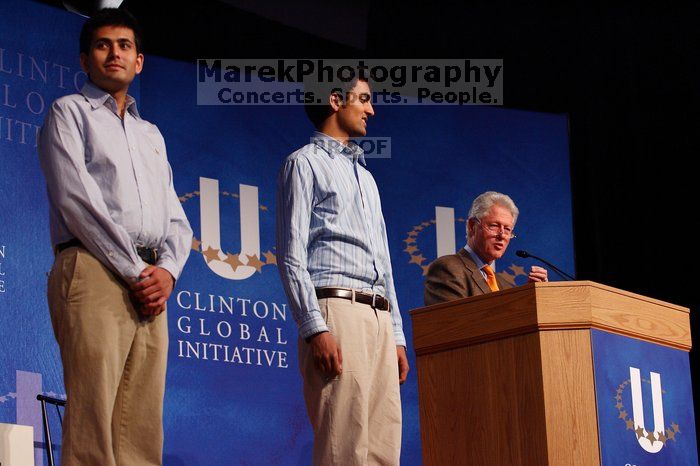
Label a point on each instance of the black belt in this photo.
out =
(377, 301)
(149, 255)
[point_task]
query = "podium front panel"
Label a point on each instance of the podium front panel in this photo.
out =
(644, 401)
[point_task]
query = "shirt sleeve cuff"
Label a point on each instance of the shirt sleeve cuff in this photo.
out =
(134, 272)
(400, 338)
(170, 266)
(312, 325)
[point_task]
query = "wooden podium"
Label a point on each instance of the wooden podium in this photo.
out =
(507, 378)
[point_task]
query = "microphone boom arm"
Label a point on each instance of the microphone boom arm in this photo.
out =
(564, 275)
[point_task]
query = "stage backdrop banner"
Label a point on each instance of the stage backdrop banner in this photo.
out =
(38, 63)
(233, 393)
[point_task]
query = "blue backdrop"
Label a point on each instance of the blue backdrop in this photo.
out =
(233, 392)
(621, 428)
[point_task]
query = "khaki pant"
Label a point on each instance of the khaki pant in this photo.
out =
(356, 417)
(113, 366)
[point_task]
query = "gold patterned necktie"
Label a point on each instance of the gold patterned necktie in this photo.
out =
(490, 278)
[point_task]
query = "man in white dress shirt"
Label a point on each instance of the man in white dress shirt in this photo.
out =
(121, 240)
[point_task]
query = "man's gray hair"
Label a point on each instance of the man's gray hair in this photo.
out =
(485, 201)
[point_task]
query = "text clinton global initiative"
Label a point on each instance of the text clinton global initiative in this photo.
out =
(210, 325)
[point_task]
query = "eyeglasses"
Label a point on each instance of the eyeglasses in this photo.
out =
(497, 229)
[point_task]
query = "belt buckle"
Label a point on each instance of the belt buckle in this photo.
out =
(374, 300)
(147, 254)
(385, 303)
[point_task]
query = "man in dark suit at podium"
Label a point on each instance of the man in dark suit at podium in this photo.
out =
(472, 271)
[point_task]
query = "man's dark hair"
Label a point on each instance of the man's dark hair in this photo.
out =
(318, 112)
(109, 17)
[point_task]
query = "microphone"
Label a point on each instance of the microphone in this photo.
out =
(525, 255)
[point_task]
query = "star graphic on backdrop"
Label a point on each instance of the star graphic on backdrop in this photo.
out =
(433, 221)
(662, 438)
(639, 431)
(263, 208)
(623, 414)
(419, 259)
(630, 424)
(270, 258)
(460, 219)
(507, 277)
(3, 399)
(517, 270)
(671, 435)
(417, 228)
(425, 269)
(618, 405)
(650, 437)
(210, 254)
(253, 261)
(233, 260)
(411, 249)
(196, 244)
(675, 427)
(618, 397)
(410, 241)
(426, 224)
(235, 195)
(412, 234)
(225, 193)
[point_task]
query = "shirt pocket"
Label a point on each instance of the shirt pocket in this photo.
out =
(336, 191)
(153, 155)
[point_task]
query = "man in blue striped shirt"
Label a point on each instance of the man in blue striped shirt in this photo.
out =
(334, 262)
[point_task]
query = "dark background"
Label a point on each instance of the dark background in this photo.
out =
(626, 75)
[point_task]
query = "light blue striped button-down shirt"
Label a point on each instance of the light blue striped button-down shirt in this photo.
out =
(330, 230)
(110, 184)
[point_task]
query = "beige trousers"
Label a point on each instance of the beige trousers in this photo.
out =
(356, 417)
(113, 366)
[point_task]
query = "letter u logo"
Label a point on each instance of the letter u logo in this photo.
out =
(647, 440)
(211, 228)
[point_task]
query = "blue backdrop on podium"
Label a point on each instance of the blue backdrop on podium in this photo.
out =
(645, 402)
(233, 391)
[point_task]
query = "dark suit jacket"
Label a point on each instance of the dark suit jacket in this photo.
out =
(456, 276)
